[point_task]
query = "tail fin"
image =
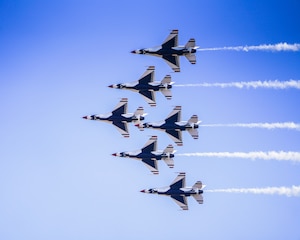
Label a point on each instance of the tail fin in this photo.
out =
(191, 43)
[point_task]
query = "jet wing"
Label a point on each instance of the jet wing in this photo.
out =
(148, 76)
(173, 62)
(151, 164)
(174, 116)
(149, 97)
(122, 128)
(176, 136)
(121, 108)
(179, 181)
(150, 145)
(171, 40)
(181, 201)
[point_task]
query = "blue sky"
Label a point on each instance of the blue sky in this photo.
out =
(58, 179)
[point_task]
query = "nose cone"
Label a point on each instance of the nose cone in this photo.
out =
(111, 86)
(85, 117)
(114, 154)
(143, 191)
(134, 51)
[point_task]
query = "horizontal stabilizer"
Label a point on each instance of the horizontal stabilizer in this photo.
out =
(167, 79)
(139, 112)
(191, 57)
(193, 132)
(198, 185)
(169, 149)
(198, 198)
(193, 119)
(191, 43)
(169, 162)
(167, 93)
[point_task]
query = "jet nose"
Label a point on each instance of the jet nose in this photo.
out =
(114, 154)
(134, 51)
(85, 117)
(143, 191)
(111, 86)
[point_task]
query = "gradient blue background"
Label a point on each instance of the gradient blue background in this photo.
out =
(57, 177)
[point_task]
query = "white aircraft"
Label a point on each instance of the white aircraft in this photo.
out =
(119, 117)
(147, 87)
(178, 191)
(170, 51)
(149, 155)
(173, 125)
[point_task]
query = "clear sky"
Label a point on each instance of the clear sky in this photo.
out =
(58, 179)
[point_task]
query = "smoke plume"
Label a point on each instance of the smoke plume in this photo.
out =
(270, 84)
(283, 125)
(293, 191)
(271, 155)
(263, 47)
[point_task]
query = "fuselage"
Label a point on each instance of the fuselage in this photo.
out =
(143, 87)
(169, 191)
(171, 126)
(129, 117)
(147, 155)
(160, 51)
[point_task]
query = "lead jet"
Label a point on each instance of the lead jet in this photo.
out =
(173, 125)
(150, 155)
(147, 87)
(119, 117)
(178, 191)
(170, 51)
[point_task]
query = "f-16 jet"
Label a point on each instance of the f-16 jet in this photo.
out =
(149, 155)
(170, 51)
(178, 191)
(147, 87)
(173, 125)
(119, 117)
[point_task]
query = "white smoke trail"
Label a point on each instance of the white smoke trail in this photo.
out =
(293, 191)
(271, 155)
(263, 47)
(283, 125)
(271, 84)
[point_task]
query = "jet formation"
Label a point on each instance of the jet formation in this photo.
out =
(170, 51)
(179, 192)
(146, 85)
(149, 155)
(173, 125)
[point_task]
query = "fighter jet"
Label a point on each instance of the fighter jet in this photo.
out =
(149, 155)
(147, 88)
(170, 51)
(178, 191)
(173, 125)
(119, 117)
